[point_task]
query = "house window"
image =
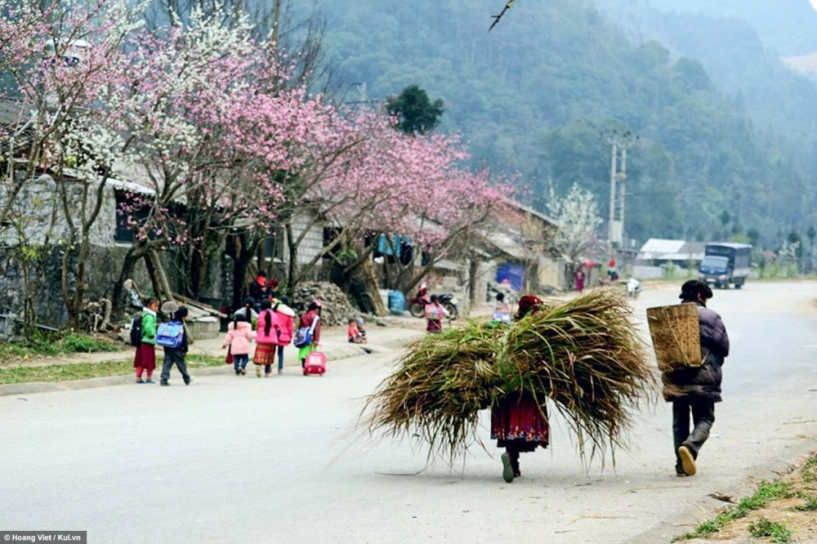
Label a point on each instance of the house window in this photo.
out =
(124, 214)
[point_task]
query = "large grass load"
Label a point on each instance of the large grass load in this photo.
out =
(584, 356)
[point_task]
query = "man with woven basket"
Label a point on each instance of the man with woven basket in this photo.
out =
(695, 390)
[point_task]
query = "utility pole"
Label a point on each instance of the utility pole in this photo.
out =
(618, 193)
(613, 141)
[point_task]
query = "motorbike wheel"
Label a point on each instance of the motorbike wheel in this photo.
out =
(416, 310)
(451, 309)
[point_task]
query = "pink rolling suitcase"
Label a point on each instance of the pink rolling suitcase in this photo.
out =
(315, 363)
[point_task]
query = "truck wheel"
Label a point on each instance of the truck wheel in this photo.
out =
(738, 285)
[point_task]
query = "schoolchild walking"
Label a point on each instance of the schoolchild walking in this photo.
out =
(174, 339)
(310, 321)
(266, 339)
(239, 337)
(145, 359)
(284, 316)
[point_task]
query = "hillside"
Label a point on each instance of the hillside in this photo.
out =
(787, 26)
(538, 94)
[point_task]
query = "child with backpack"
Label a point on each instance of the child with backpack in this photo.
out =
(239, 337)
(172, 336)
(144, 329)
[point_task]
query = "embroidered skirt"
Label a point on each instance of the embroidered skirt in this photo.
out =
(519, 421)
(265, 354)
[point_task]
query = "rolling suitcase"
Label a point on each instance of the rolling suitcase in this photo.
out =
(315, 363)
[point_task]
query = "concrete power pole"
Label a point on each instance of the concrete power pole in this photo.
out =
(613, 141)
(618, 193)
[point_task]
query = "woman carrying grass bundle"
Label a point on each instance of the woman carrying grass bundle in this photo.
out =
(518, 422)
(584, 357)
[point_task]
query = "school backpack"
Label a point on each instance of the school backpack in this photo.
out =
(433, 312)
(170, 335)
(136, 331)
(304, 335)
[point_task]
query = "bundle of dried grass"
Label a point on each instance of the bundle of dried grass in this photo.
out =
(584, 355)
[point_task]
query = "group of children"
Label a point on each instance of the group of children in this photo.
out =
(271, 330)
(147, 331)
(274, 330)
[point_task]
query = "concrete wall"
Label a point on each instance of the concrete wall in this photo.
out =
(312, 243)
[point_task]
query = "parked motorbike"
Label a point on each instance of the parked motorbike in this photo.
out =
(633, 288)
(417, 304)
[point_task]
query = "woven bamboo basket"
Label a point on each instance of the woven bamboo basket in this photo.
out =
(676, 336)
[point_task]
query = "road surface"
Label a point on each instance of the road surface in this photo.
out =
(275, 460)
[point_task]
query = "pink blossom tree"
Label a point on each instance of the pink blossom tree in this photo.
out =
(63, 60)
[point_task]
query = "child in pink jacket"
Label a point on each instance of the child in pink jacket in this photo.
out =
(239, 337)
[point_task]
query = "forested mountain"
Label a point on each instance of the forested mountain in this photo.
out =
(781, 101)
(538, 94)
(788, 26)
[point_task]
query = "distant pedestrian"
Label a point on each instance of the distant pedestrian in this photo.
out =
(579, 278)
(258, 288)
(266, 339)
(177, 354)
(697, 389)
(434, 314)
(248, 311)
(145, 359)
(238, 340)
(310, 320)
(502, 311)
(285, 317)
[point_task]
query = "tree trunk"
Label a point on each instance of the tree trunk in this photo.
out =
(372, 288)
(119, 300)
(157, 275)
(292, 246)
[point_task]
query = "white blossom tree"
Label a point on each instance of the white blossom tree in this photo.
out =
(577, 215)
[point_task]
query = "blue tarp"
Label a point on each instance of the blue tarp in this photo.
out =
(513, 273)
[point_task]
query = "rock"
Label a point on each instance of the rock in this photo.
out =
(380, 322)
(335, 307)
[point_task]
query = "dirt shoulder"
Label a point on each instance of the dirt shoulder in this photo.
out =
(781, 511)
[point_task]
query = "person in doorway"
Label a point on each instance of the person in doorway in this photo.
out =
(145, 359)
(579, 279)
(502, 311)
(434, 314)
(177, 355)
(239, 338)
(311, 319)
(696, 390)
(266, 339)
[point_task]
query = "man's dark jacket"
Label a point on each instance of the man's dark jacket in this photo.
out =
(703, 382)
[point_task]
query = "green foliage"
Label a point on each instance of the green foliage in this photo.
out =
(51, 345)
(774, 530)
(415, 112)
(539, 94)
(766, 493)
(810, 470)
(84, 371)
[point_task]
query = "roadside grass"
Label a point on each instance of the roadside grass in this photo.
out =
(809, 506)
(773, 530)
(766, 493)
(810, 471)
(84, 371)
(55, 345)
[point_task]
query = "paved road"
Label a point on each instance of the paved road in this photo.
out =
(274, 460)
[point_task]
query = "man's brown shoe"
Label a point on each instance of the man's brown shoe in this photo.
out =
(687, 461)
